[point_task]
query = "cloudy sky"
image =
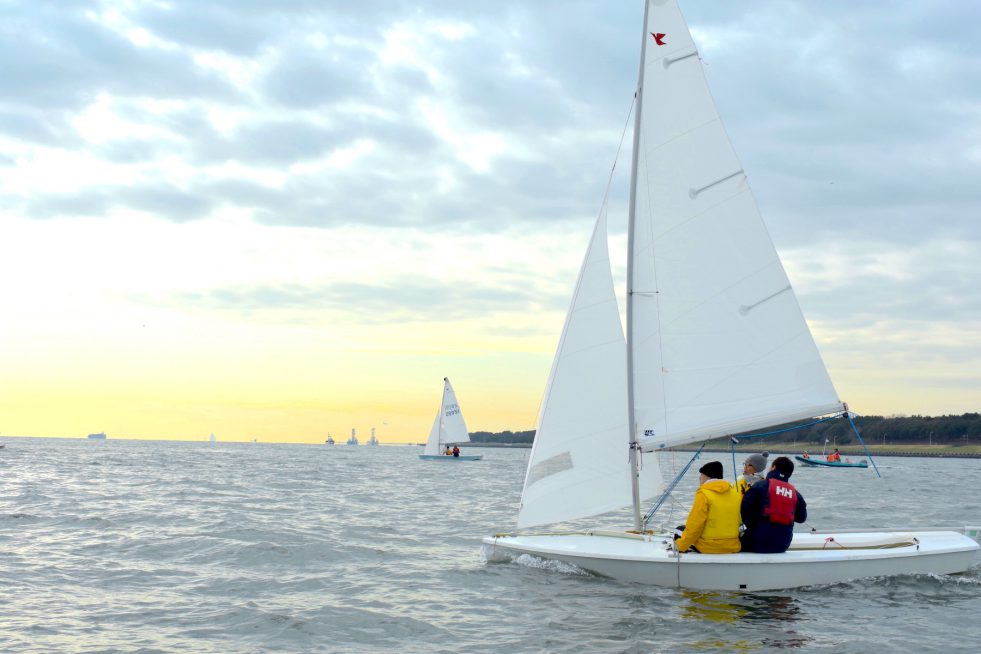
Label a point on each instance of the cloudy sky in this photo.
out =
(276, 220)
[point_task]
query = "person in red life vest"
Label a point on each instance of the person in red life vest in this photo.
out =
(835, 456)
(769, 510)
(713, 522)
(456, 451)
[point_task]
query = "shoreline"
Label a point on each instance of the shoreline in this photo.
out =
(911, 450)
(935, 451)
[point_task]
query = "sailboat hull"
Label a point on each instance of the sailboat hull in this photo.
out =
(443, 457)
(814, 558)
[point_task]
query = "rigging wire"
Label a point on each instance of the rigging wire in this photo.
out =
(670, 487)
(616, 158)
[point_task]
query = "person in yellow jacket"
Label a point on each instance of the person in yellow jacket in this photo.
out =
(713, 522)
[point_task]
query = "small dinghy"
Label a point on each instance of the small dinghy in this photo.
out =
(449, 428)
(715, 344)
(831, 464)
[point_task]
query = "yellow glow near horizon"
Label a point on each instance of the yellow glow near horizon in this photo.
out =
(119, 325)
(116, 330)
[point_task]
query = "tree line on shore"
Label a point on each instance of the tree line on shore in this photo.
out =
(961, 429)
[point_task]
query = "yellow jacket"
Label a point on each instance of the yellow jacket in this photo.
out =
(713, 522)
(743, 482)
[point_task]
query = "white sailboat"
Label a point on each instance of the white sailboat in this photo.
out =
(715, 345)
(448, 428)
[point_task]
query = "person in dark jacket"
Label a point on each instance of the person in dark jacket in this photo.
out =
(769, 510)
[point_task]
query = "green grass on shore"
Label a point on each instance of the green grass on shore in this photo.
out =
(855, 449)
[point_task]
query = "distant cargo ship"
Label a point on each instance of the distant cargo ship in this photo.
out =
(101, 436)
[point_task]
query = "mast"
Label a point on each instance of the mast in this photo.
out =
(635, 453)
(442, 410)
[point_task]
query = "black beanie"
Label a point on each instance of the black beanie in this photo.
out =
(712, 469)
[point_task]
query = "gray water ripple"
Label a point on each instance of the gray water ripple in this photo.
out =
(175, 547)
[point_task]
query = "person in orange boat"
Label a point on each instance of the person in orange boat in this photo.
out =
(835, 456)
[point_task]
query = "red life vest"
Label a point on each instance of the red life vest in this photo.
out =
(781, 502)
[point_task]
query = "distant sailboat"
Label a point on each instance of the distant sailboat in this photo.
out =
(330, 439)
(448, 429)
(715, 344)
(212, 439)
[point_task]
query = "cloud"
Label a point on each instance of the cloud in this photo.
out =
(63, 56)
(407, 300)
(424, 98)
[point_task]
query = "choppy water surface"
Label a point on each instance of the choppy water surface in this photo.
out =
(129, 546)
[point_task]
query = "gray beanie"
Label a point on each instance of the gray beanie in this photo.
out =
(758, 461)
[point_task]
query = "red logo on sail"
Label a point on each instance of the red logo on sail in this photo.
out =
(658, 38)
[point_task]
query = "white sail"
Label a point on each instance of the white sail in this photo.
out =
(432, 443)
(579, 464)
(449, 426)
(719, 344)
(715, 344)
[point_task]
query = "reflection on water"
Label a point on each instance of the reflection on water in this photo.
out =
(716, 607)
(732, 608)
(771, 607)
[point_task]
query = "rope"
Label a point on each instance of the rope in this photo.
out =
(780, 431)
(670, 487)
(733, 440)
(864, 446)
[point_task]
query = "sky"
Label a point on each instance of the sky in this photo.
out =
(279, 220)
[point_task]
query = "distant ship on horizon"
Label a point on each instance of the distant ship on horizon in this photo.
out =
(101, 436)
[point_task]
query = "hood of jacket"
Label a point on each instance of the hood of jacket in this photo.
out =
(716, 486)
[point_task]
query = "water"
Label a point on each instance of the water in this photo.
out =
(128, 546)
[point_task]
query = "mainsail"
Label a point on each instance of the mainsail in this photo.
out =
(715, 341)
(717, 338)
